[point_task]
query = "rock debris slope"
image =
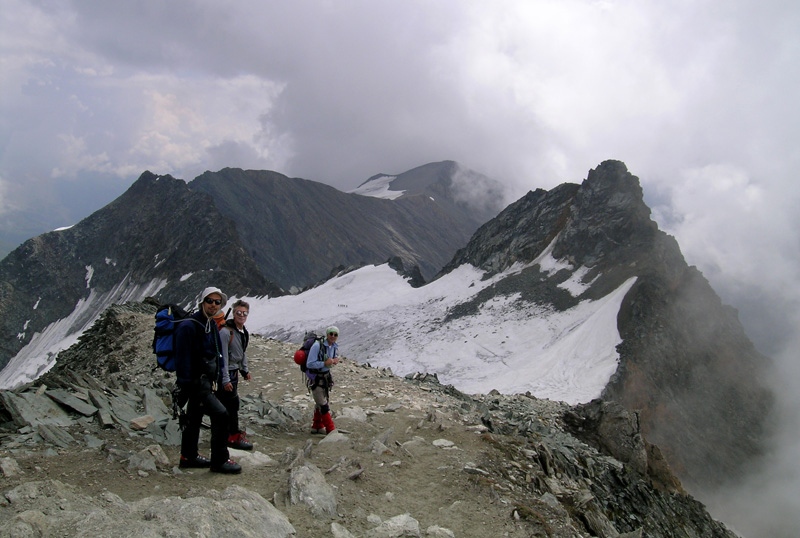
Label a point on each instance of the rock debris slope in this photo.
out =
(92, 452)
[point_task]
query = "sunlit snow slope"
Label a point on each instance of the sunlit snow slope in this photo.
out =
(567, 356)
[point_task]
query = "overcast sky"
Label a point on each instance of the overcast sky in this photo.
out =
(698, 98)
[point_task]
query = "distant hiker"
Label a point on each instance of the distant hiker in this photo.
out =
(234, 337)
(198, 354)
(321, 356)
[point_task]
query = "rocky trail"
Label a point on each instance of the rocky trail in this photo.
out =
(410, 457)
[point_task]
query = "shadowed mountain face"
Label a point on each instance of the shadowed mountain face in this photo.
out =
(158, 238)
(235, 229)
(298, 230)
(686, 364)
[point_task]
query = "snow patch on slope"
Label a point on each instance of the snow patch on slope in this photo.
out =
(509, 346)
(38, 356)
(378, 188)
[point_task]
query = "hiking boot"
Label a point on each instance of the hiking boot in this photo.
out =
(194, 463)
(239, 441)
(229, 467)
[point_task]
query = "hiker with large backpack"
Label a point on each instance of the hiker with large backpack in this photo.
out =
(234, 339)
(322, 354)
(198, 361)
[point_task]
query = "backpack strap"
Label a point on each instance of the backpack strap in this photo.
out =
(230, 333)
(321, 348)
(232, 327)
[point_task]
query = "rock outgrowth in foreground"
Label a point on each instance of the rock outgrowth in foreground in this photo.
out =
(686, 367)
(91, 449)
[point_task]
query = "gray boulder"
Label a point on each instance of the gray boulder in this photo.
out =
(307, 485)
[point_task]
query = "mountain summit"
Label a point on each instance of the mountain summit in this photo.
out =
(297, 230)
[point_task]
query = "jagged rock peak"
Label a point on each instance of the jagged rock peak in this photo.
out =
(587, 224)
(612, 182)
(608, 219)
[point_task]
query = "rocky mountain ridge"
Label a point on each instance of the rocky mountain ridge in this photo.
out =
(155, 238)
(411, 457)
(297, 230)
(685, 364)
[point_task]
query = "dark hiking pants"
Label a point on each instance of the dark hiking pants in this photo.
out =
(202, 401)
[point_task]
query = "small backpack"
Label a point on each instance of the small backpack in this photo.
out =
(301, 355)
(223, 321)
(167, 317)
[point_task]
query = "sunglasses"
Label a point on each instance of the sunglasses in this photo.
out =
(212, 301)
(333, 334)
(241, 313)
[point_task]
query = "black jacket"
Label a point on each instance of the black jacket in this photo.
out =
(198, 349)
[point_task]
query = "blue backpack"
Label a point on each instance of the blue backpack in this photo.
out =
(167, 318)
